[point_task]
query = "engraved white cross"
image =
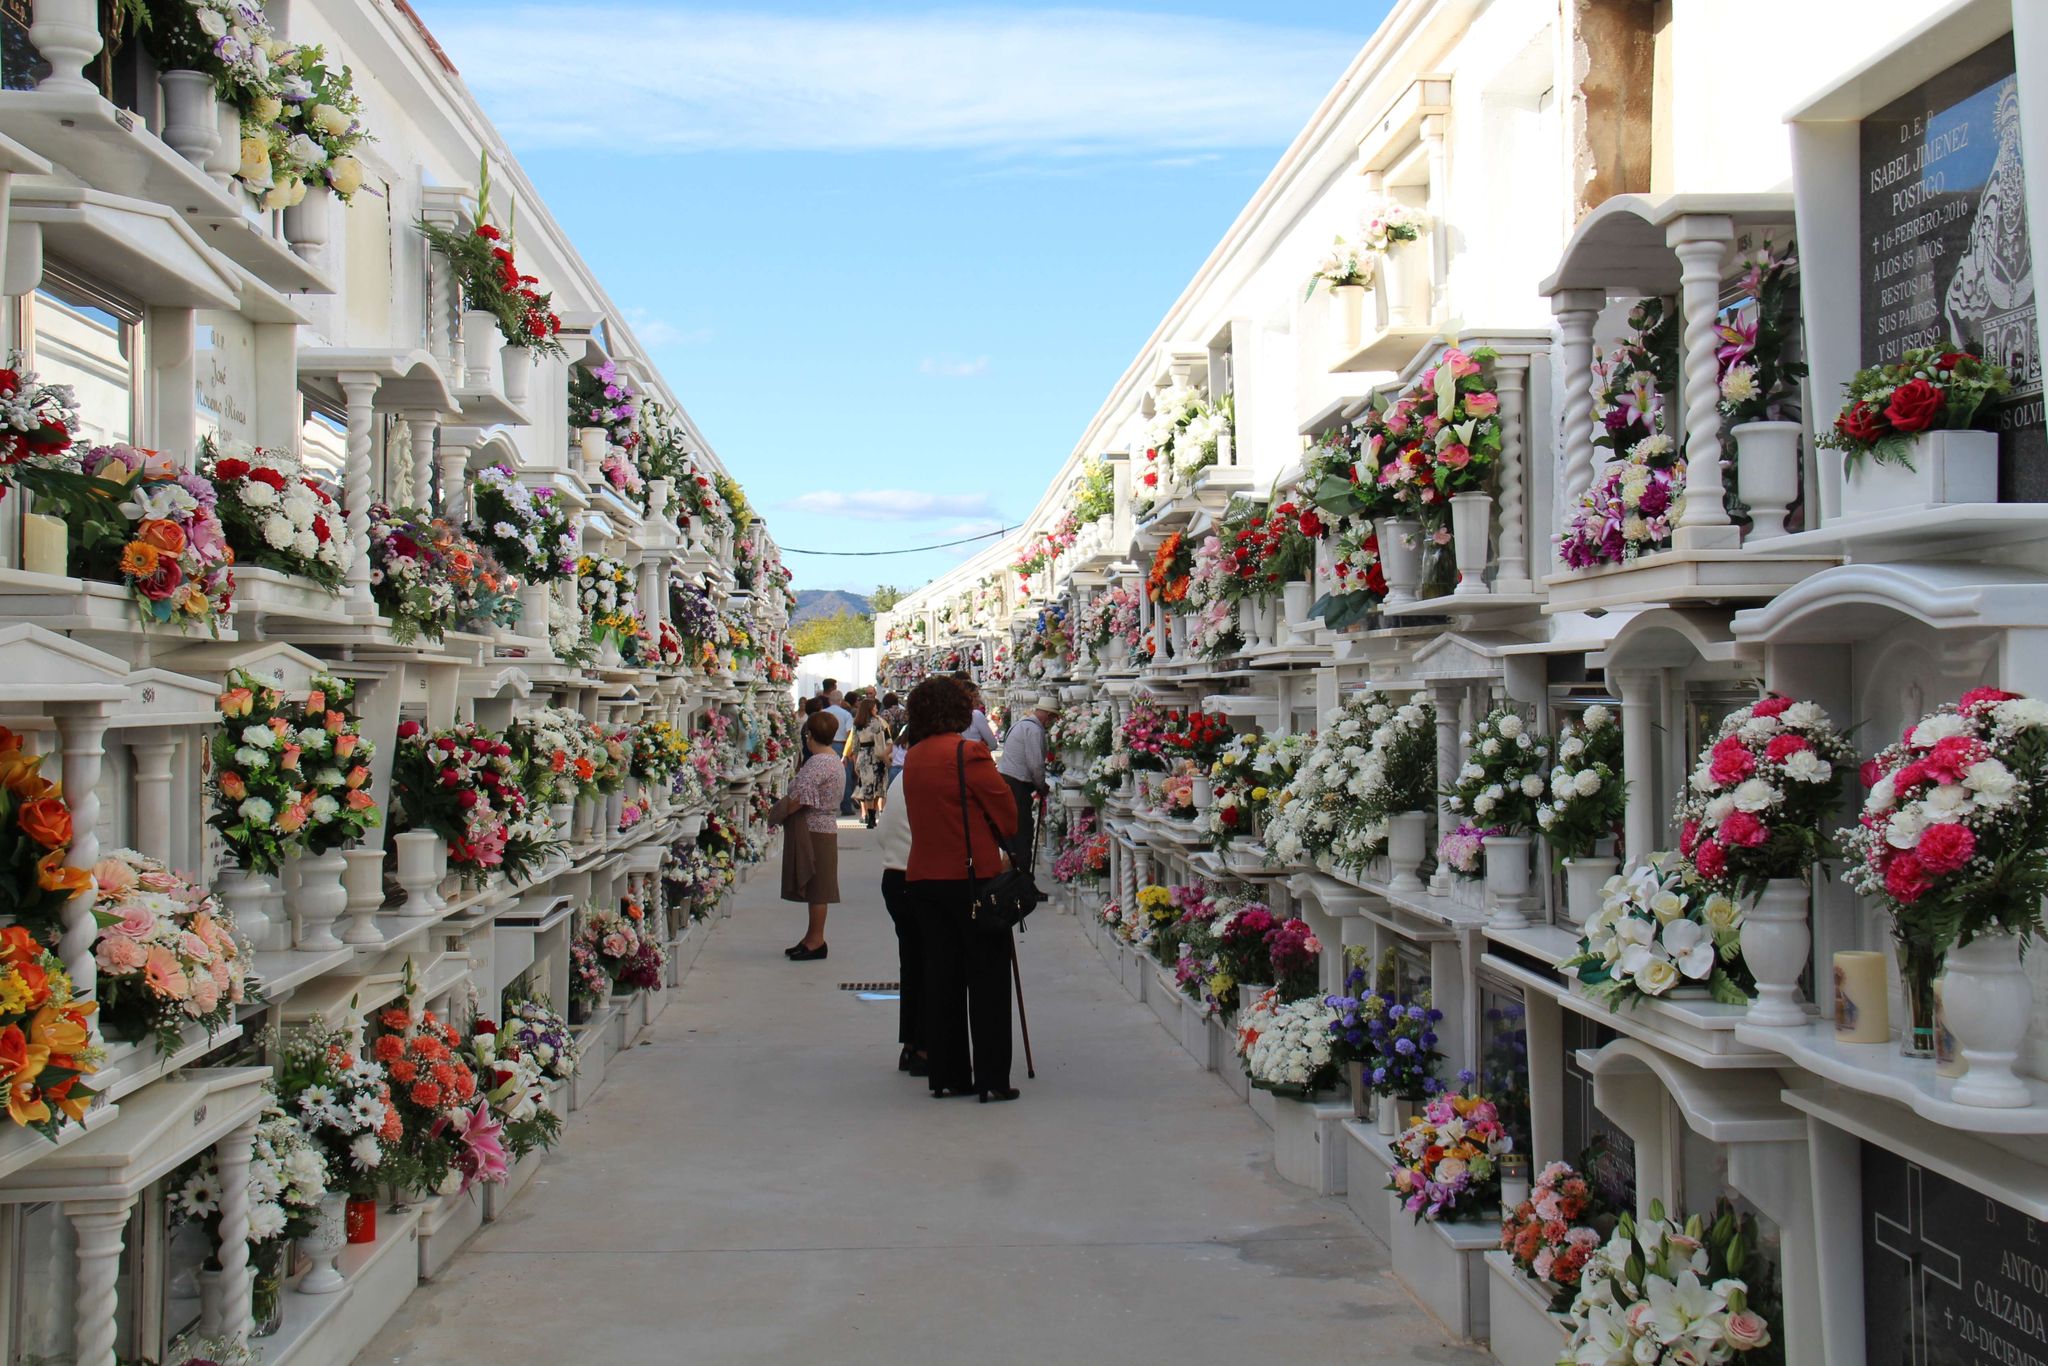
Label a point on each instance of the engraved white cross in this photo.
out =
(1910, 1244)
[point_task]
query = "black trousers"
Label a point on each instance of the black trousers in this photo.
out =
(1022, 846)
(966, 992)
(909, 959)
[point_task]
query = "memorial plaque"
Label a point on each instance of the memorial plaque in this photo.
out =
(224, 362)
(1946, 260)
(1950, 1276)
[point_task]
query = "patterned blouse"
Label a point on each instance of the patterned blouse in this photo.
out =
(819, 785)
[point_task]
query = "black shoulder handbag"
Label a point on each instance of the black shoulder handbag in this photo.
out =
(1001, 903)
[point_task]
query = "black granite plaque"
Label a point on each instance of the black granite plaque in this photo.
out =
(1950, 1276)
(1945, 255)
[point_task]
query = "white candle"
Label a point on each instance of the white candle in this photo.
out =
(1860, 1012)
(44, 544)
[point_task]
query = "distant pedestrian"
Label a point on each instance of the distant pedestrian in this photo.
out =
(810, 845)
(844, 718)
(1023, 768)
(893, 835)
(868, 744)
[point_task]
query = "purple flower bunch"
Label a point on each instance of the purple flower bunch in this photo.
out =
(1403, 1043)
(692, 612)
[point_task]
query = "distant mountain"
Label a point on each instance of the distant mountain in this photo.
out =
(826, 602)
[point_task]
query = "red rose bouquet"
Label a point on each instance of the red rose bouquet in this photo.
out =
(1924, 390)
(1753, 808)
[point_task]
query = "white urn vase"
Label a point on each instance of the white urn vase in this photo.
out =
(1391, 1115)
(1204, 794)
(319, 901)
(536, 601)
(322, 1246)
(481, 343)
(1400, 541)
(249, 898)
(1347, 318)
(591, 442)
(191, 128)
(1988, 1001)
(562, 819)
(1404, 284)
(306, 222)
(1471, 524)
(1767, 473)
(363, 882)
(1407, 842)
(1776, 939)
(1583, 880)
(421, 863)
(1507, 881)
(518, 363)
(1298, 599)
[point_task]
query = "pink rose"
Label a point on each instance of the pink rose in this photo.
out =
(1485, 403)
(1746, 1331)
(136, 921)
(1456, 455)
(118, 955)
(1945, 848)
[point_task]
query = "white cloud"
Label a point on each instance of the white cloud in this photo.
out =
(653, 332)
(953, 369)
(1009, 81)
(900, 505)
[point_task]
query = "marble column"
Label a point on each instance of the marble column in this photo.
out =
(1446, 698)
(360, 392)
(98, 1226)
(231, 1154)
(420, 430)
(1511, 373)
(1701, 243)
(1577, 310)
(82, 733)
(153, 753)
(1637, 689)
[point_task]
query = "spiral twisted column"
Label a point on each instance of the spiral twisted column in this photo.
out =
(231, 1156)
(360, 395)
(82, 733)
(98, 1226)
(1511, 374)
(1701, 243)
(1577, 310)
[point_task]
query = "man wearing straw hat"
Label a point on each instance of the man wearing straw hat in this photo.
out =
(1023, 768)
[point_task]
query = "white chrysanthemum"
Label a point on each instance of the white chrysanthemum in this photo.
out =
(1586, 782)
(277, 532)
(256, 811)
(366, 1153)
(1510, 726)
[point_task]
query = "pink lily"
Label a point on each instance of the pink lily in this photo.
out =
(482, 1154)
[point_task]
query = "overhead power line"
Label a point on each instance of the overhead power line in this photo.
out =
(908, 550)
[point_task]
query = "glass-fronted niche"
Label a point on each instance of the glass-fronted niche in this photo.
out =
(121, 69)
(1592, 1141)
(323, 441)
(91, 338)
(1504, 1054)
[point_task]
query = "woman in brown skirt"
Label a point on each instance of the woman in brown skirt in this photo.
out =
(810, 845)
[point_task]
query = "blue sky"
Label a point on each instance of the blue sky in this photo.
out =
(895, 249)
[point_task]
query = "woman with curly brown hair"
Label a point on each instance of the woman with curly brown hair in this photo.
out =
(961, 814)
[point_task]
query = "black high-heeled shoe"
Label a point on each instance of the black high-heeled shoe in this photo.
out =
(794, 949)
(804, 955)
(993, 1097)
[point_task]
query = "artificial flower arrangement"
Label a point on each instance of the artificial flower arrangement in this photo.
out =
(1083, 852)
(1661, 1293)
(1629, 506)
(1753, 808)
(1953, 837)
(1293, 954)
(1346, 263)
(1198, 736)
(558, 755)
(1503, 777)
(322, 107)
(465, 785)
(481, 260)
(1353, 1011)
(1168, 581)
(1240, 936)
(1353, 584)
(1448, 1157)
(659, 752)
(1401, 1058)
(46, 1045)
(39, 418)
(450, 1140)
(1183, 438)
(275, 517)
(429, 579)
(1094, 491)
(1553, 1235)
(1927, 389)
(166, 954)
(611, 605)
(1285, 1046)
(511, 1079)
(1373, 759)
(1659, 929)
(600, 396)
(1249, 775)
(1755, 361)
(342, 1099)
(1586, 796)
(1143, 735)
(1387, 221)
(611, 951)
(526, 529)
(1212, 588)
(287, 1178)
(1151, 917)
(289, 774)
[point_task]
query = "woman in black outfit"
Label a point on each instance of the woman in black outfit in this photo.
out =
(967, 970)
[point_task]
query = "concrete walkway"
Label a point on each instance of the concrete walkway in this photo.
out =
(757, 1183)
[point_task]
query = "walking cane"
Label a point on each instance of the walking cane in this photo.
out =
(1023, 1023)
